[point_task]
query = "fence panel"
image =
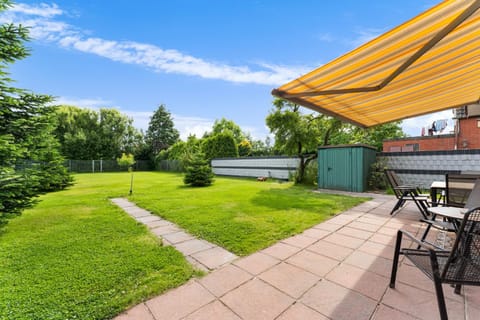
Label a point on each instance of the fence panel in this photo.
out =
(170, 165)
(423, 167)
(92, 166)
(272, 167)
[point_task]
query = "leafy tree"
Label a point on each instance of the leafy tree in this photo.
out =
(376, 135)
(88, 134)
(127, 160)
(220, 146)
(228, 126)
(198, 172)
(161, 132)
(244, 148)
(184, 151)
(29, 161)
(299, 134)
(262, 148)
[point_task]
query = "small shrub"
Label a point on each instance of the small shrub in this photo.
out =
(376, 180)
(311, 173)
(198, 172)
(127, 160)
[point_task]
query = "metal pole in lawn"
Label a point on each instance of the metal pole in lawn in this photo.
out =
(131, 180)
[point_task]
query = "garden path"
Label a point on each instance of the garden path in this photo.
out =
(200, 253)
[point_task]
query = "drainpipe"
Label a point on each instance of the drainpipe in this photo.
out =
(457, 130)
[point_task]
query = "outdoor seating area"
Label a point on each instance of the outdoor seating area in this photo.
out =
(339, 269)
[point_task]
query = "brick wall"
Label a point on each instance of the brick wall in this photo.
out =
(469, 137)
(425, 143)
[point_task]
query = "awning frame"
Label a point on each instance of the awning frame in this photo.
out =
(430, 44)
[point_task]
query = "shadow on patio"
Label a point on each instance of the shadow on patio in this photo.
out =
(338, 269)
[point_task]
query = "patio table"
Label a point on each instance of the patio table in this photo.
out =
(435, 187)
(452, 217)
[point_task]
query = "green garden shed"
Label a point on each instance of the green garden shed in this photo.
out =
(345, 167)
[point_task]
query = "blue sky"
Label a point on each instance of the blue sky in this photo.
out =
(203, 59)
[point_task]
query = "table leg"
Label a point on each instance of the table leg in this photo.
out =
(433, 195)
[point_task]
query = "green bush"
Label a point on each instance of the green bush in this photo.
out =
(376, 180)
(221, 145)
(311, 173)
(198, 172)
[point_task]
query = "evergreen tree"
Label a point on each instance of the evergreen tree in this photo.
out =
(29, 159)
(161, 132)
(198, 172)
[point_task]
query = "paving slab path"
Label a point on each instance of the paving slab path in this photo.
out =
(200, 253)
(338, 269)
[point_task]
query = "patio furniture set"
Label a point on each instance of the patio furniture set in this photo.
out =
(456, 211)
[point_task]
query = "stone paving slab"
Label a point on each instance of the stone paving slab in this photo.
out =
(201, 254)
(338, 269)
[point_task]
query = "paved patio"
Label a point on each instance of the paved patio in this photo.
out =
(339, 269)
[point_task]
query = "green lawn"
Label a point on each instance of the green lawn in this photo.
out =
(76, 256)
(241, 215)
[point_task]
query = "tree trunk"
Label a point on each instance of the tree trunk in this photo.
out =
(304, 161)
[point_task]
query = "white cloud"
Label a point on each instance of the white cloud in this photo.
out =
(42, 10)
(44, 27)
(192, 125)
(94, 103)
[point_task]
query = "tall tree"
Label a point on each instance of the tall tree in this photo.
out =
(28, 156)
(86, 134)
(228, 126)
(299, 134)
(161, 132)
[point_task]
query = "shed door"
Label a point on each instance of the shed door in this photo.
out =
(338, 169)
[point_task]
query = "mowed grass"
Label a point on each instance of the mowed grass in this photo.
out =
(241, 215)
(77, 256)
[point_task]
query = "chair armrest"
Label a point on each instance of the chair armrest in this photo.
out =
(422, 244)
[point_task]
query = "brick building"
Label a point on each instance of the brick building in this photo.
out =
(465, 136)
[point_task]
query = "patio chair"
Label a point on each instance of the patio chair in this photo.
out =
(406, 193)
(458, 266)
(473, 201)
(458, 188)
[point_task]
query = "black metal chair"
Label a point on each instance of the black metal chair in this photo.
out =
(404, 193)
(465, 193)
(458, 266)
(458, 188)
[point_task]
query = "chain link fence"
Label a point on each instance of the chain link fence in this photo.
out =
(170, 165)
(92, 166)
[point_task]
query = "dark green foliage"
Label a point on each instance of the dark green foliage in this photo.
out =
(198, 172)
(376, 179)
(30, 163)
(161, 132)
(86, 134)
(222, 145)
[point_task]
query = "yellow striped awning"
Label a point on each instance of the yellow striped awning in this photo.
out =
(427, 64)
